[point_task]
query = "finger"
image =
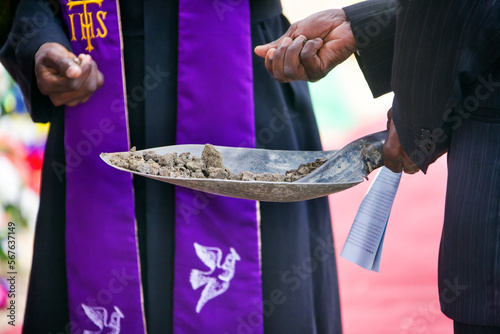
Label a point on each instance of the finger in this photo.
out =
(86, 98)
(69, 103)
(71, 69)
(70, 99)
(389, 118)
(395, 158)
(87, 66)
(94, 80)
(269, 61)
(310, 59)
(51, 82)
(278, 60)
(293, 68)
(100, 79)
(66, 65)
(262, 50)
(80, 100)
(74, 98)
(408, 166)
(392, 160)
(392, 150)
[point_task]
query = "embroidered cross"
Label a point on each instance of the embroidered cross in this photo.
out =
(87, 22)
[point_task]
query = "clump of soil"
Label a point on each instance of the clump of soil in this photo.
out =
(209, 166)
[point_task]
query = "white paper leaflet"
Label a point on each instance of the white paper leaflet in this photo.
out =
(366, 237)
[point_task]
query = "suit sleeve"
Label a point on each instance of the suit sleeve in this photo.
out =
(36, 22)
(440, 48)
(373, 24)
(7, 11)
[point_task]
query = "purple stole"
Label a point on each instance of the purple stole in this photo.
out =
(104, 287)
(217, 282)
(217, 275)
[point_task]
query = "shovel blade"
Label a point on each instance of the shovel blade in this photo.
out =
(344, 169)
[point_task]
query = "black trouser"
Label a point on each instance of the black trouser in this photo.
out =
(460, 328)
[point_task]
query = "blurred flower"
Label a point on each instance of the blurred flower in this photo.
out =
(3, 293)
(28, 205)
(22, 144)
(10, 182)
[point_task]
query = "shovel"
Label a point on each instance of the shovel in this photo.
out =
(344, 169)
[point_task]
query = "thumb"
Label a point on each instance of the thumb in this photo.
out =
(310, 59)
(61, 61)
(69, 67)
(261, 50)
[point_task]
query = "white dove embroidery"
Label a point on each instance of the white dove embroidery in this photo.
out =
(99, 316)
(216, 282)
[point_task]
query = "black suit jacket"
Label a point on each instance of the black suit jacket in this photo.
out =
(439, 58)
(442, 60)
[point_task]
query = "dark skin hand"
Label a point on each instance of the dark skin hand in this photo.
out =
(65, 78)
(313, 47)
(393, 155)
(310, 48)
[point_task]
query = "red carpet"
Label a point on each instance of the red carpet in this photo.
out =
(403, 297)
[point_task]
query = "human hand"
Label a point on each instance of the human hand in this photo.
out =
(310, 48)
(393, 155)
(65, 78)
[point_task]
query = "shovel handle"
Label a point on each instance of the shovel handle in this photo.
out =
(372, 151)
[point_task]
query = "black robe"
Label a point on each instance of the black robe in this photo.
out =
(294, 235)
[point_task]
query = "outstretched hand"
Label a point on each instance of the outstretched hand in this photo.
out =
(65, 78)
(310, 48)
(394, 156)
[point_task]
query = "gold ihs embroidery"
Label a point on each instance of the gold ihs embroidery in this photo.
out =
(86, 20)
